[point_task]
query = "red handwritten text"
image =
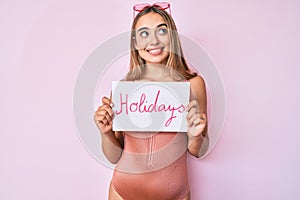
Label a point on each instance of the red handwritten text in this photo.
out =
(141, 106)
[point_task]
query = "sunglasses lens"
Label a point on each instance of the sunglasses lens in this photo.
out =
(140, 7)
(162, 5)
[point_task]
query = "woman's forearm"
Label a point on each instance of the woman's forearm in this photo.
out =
(198, 146)
(111, 147)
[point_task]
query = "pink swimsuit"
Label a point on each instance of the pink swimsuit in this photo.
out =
(152, 166)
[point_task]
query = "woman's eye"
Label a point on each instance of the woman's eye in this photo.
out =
(144, 34)
(163, 31)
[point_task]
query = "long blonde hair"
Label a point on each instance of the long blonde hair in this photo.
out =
(175, 62)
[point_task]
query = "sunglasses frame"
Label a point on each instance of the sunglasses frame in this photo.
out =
(142, 6)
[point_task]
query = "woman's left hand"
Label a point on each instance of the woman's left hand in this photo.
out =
(196, 120)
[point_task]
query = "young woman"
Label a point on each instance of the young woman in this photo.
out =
(153, 165)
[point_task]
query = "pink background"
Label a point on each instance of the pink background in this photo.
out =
(254, 44)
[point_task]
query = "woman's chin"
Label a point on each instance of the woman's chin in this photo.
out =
(162, 59)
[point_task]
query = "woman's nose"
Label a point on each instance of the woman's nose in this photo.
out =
(154, 39)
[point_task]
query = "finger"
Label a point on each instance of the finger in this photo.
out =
(106, 108)
(197, 121)
(192, 112)
(101, 120)
(106, 101)
(105, 114)
(202, 121)
(107, 122)
(192, 104)
(100, 107)
(194, 118)
(109, 110)
(201, 127)
(203, 116)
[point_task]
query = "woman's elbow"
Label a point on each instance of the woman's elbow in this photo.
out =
(112, 157)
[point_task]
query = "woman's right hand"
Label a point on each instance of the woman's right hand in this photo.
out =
(104, 115)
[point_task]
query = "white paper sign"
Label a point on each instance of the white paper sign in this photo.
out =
(150, 106)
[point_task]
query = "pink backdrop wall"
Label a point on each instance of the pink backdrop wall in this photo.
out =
(254, 44)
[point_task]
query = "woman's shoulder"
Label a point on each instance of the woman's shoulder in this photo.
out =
(197, 81)
(198, 91)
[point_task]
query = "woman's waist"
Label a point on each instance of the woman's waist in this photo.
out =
(150, 162)
(177, 167)
(170, 181)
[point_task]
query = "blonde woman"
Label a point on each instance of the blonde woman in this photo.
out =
(156, 55)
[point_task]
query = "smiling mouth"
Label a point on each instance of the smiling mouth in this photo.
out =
(155, 51)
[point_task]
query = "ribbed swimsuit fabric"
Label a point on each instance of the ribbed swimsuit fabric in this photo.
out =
(152, 166)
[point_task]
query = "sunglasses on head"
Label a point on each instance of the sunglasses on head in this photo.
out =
(143, 6)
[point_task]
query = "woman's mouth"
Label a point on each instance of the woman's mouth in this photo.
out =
(155, 51)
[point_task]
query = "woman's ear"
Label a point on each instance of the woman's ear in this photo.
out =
(134, 42)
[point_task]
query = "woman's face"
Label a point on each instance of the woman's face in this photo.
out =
(152, 38)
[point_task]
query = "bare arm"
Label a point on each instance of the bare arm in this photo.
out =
(197, 122)
(112, 145)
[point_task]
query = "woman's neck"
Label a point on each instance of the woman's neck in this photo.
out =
(155, 68)
(155, 72)
(160, 72)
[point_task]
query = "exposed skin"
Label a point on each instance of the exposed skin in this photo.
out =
(152, 43)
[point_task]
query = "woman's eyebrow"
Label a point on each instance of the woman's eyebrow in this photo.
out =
(163, 24)
(143, 28)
